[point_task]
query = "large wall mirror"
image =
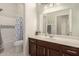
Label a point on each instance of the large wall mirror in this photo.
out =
(61, 20)
(57, 23)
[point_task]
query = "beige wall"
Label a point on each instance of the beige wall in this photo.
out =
(12, 9)
(30, 23)
(7, 21)
(21, 9)
(9, 9)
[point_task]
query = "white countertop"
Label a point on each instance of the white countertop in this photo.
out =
(60, 40)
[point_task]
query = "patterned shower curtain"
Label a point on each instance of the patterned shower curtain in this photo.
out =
(19, 28)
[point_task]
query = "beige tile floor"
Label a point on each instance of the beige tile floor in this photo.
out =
(11, 51)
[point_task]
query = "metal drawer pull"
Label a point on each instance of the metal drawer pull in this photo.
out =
(72, 51)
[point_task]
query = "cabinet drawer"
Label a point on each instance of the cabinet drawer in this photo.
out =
(49, 45)
(53, 52)
(42, 43)
(71, 50)
(32, 40)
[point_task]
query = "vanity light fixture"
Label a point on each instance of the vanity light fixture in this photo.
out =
(49, 5)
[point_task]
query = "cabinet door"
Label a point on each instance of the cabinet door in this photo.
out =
(52, 52)
(40, 51)
(32, 49)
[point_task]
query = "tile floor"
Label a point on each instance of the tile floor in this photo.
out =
(11, 51)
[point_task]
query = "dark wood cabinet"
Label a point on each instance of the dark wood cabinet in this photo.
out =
(43, 48)
(40, 51)
(52, 52)
(32, 47)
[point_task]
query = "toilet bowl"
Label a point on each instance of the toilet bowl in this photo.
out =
(19, 46)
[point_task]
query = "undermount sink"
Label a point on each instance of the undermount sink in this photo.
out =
(51, 37)
(43, 36)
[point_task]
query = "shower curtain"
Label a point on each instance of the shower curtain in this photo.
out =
(19, 28)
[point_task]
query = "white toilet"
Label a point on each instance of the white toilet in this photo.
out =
(19, 46)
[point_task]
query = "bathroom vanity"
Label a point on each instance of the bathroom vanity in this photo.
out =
(63, 25)
(39, 46)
